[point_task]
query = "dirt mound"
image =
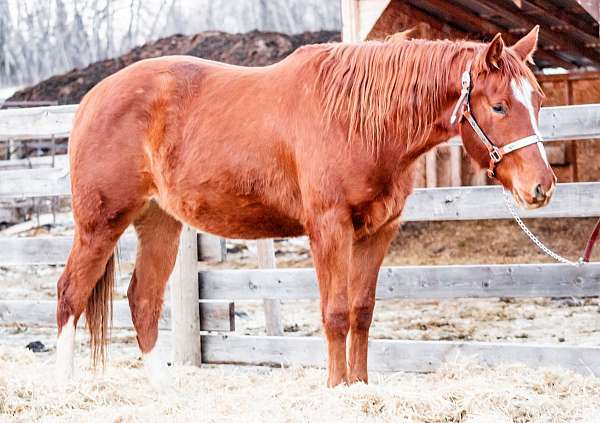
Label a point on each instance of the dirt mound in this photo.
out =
(250, 49)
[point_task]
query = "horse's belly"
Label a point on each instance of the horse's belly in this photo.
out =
(240, 219)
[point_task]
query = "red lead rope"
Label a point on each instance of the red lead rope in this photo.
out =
(590, 244)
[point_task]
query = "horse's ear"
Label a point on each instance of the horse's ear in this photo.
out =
(493, 51)
(525, 47)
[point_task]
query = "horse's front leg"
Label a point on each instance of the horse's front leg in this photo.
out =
(367, 255)
(330, 235)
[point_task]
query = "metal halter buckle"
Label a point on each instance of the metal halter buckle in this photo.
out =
(466, 79)
(495, 154)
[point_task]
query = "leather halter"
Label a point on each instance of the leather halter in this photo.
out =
(496, 153)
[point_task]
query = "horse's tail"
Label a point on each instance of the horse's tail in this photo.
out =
(98, 313)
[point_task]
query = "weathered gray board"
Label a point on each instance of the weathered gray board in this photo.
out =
(55, 249)
(556, 123)
(218, 316)
(456, 203)
(51, 249)
(487, 202)
(457, 281)
(41, 182)
(570, 122)
(43, 219)
(36, 122)
(58, 161)
(395, 356)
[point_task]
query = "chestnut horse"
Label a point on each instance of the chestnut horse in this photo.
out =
(322, 143)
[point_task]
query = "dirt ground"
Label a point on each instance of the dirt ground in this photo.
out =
(467, 242)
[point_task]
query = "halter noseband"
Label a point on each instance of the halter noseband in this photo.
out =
(496, 153)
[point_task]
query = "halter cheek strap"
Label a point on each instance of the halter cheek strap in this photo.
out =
(496, 153)
(465, 93)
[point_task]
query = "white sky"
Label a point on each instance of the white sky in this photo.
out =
(200, 15)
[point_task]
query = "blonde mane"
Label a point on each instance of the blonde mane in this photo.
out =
(395, 90)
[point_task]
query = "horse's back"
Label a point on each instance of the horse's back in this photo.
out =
(182, 87)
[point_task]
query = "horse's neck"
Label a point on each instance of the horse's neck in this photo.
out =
(405, 156)
(402, 119)
(441, 129)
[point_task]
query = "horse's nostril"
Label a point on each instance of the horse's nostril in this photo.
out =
(538, 193)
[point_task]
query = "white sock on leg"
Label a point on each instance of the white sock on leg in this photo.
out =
(65, 349)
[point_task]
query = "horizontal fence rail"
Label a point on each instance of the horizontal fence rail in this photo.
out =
(217, 316)
(58, 161)
(37, 122)
(55, 249)
(42, 182)
(570, 122)
(52, 249)
(454, 203)
(395, 356)
(487, 202)
(455, 281)
(556, 123)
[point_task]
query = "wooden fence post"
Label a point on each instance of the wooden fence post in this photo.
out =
(351, 20)
(479, 178)
(211, 247)
(185, 310)
(266, 260)
(455, 165)
(431, 168)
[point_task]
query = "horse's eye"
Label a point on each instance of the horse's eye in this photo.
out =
(499, 108)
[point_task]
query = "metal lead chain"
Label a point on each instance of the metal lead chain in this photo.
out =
(533, 238)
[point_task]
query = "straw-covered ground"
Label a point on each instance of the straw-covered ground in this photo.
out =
(458, 392)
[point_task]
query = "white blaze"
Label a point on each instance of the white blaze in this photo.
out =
(65, 347)
(523, 92)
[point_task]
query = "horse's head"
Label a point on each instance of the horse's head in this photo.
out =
(500, 103)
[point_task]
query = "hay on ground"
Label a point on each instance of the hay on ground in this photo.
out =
(458, 392)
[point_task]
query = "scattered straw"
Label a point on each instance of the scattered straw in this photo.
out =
(458, 392)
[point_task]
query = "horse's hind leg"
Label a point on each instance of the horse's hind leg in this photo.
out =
(158, 241)
(85, 285)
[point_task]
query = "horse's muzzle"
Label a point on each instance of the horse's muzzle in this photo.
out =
(538, 197)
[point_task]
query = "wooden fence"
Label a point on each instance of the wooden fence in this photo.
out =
(202, 313)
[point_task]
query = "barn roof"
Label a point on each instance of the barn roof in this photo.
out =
(569, 35)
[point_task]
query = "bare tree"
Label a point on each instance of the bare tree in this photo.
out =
(42, 38)
(6, 60)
